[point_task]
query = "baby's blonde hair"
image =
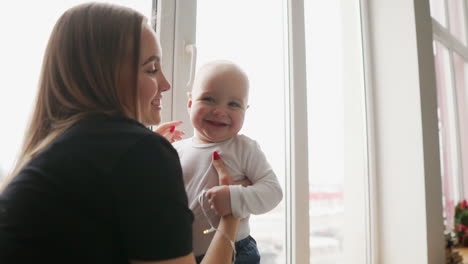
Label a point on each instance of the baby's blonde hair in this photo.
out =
(215, 67)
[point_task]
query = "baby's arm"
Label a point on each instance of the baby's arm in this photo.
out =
(219, 197)
(245, 182)
(265, 192)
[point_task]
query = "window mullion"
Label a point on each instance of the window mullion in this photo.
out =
(444, 36)
(465, 20)
(298, 213)
(184, 35)
(165, 30)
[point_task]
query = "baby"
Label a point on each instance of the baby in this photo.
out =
(217, 106)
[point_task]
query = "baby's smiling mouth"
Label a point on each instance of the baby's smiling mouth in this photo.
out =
(215, 123)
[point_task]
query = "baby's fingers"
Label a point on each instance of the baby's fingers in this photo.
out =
(213, 207)
(167, 126)
(177, 135)
(168, 130)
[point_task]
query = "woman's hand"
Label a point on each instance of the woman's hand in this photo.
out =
(219, 197)
(224, 177)
(169, 131)
(220, 250)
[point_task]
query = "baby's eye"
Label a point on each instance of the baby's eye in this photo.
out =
(208, 99)
(234, 104)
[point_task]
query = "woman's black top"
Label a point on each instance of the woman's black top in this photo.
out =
(108, 190)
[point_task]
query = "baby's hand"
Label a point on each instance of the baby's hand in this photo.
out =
(169, 131)
(219, 198)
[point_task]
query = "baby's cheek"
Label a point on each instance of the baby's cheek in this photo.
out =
(196, 121)
(197, 117)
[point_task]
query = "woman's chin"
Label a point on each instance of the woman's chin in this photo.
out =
(152, 121)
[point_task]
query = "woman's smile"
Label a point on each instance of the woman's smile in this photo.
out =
(156, 105)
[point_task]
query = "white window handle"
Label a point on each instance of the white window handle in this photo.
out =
(192, 50)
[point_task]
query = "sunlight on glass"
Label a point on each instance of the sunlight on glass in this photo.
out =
(325, 126)
(438, 11)
(457, 20)
(228, 30)
(447, 132)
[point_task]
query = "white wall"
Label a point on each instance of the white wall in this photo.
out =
(407, 168)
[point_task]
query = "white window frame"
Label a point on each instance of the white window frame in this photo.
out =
(297, 173)
(175, 28)
(359, 229)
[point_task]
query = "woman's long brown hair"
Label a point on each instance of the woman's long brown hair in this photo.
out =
(81, 72)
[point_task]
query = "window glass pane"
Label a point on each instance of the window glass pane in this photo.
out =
(461, 71)
(438, 11)
(21, 54)
(447, 132)
(325, 126)
(457, 20)
(250, 33)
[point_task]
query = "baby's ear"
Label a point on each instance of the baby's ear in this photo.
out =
(189, 102)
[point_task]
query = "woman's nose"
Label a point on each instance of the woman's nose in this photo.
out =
(164, 85)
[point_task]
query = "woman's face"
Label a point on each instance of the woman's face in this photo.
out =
(151, 82)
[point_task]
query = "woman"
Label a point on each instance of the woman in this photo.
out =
(92, 183)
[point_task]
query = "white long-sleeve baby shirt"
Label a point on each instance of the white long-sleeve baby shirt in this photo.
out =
(243, 158)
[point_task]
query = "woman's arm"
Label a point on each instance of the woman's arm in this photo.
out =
(220, 250)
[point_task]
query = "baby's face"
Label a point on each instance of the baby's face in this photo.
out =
(217, 105)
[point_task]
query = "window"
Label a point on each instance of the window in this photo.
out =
(228, 30)
(326, 125)
(287, 35)
(451, 57)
